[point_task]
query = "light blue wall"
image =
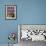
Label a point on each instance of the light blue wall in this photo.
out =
(28, 12)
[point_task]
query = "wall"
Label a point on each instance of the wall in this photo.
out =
(28, 12)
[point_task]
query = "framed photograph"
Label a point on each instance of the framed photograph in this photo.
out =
(33, 32)
(10, 12)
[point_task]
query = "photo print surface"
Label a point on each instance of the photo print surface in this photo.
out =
(10, 11)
